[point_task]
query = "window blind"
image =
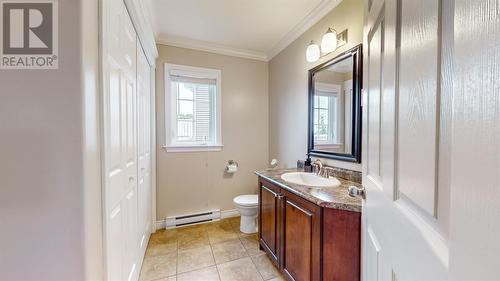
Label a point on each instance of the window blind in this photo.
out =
(192, 80)
(202, 94)
(203, 113)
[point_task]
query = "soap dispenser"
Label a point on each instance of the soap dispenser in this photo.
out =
(307, 165)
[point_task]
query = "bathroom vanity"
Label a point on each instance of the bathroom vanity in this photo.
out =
(310, 233)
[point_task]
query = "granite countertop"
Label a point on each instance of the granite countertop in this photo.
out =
(328, 197)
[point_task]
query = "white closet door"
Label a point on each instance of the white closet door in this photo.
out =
(120, 142)
(144, 146)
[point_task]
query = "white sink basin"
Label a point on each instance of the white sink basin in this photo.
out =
(310, 179)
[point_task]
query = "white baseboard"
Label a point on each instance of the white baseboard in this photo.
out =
(161, 224)
(229, 214)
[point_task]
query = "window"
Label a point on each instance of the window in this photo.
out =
(326, 110)
(192, 103)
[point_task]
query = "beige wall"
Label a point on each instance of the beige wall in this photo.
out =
(288, 84)
(195, 181)
(50, 218)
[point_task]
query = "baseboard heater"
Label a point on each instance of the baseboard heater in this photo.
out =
(183, 220)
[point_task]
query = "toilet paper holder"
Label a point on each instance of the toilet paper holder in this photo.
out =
(232, 166)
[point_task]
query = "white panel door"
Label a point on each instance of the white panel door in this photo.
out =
(421, 218)
(120, 142)
(144, 146)
(403, 238)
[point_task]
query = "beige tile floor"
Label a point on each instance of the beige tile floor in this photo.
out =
(205, 252)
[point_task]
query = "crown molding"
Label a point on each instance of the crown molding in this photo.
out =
(323, 8)
(210, 47)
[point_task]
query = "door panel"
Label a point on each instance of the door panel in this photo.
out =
(341, 245)
(269, 226)
(373, 126)
(418, 102)
(130, 232)
(400, 229)
(114, 126)
(116, 246)
(130, 136)
(130, 133)
(298, 238)
(301, 257)
(144, 147)
(115, 167)
(372, 255)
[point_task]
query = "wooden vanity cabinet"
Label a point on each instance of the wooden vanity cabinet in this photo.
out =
(269, 218)
(305, 241)
(301, 248)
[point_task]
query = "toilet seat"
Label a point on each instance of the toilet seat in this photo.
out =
(249, 200)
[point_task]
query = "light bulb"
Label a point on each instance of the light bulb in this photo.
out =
(312, 52)
(329, 41)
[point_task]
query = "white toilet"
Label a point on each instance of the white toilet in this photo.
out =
(247, 205)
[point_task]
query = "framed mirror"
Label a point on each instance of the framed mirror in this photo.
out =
(335, 107)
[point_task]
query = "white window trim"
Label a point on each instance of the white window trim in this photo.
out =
(193, 148)
(197, 72)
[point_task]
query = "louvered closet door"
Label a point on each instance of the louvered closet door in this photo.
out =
(144, 147)
(120, 142)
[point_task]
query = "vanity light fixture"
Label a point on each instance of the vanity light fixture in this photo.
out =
(313, 52)
(330, 42)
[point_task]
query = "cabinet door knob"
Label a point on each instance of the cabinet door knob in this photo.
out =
(357, 192)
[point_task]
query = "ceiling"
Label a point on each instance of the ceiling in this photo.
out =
(257, 29)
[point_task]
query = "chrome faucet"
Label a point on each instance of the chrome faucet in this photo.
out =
(319, 169)
(318, 166)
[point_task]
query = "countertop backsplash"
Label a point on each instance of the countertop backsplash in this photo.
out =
(337, 172)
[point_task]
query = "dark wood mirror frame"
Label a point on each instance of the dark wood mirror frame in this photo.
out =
(355, 155)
